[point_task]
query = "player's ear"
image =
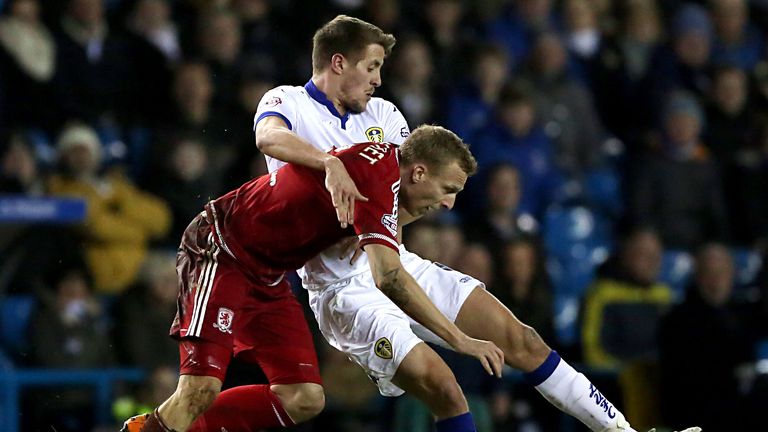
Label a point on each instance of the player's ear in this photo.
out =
(418, 173)
(338, 62)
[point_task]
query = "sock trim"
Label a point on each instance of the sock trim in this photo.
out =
(544, 371)
(461, 422)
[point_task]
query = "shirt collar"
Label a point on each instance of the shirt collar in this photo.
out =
(316, 94)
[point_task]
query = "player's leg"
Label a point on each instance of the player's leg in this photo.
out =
(478, 313)
(482, 315)
(425, 375)
(359, 320)
(204, 326)
(273, 334)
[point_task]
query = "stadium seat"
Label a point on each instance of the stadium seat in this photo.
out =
(566, 318)
(748, 264)
(15, 314)
(676, 270)
(602, 188)
(574, 232)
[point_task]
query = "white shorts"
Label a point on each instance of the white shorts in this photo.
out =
(356, 318)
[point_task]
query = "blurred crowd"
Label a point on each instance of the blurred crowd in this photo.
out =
(620, 208)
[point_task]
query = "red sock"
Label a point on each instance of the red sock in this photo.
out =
(245, 408)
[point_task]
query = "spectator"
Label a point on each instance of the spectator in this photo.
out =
(737, 42)
(121, 219)
(583, 36)
(412, 85)
(477, 262)
(68, 331)
(451, 240)
(19, 171)
(623, 84)
(195, 114)
(184, 183)
(566, 107)
(623, 307)
(447, 36)
(622, 310)
(704, 327)
(677, 190)
(728, 126)
(156, 48)
(220, 46)
(422, 238)
(517, 27)
(515, 136)
(685, 63)
(30, 251)
(747, 181)
(93, 66)
(470, 106)
(523, 285)
(27, 66)
(502, 219)
(146, 307)
(248, 162)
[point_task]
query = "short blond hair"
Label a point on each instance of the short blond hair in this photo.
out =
(437, 147)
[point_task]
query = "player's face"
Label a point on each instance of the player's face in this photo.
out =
(431, 190)
(361, 79)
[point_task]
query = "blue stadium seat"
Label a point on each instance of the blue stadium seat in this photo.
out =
(566, 313)
(602, 188)
(15, 314)
(676, 270)
(574, 232)
(748, 264)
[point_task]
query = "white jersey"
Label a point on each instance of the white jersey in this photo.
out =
(310, 115)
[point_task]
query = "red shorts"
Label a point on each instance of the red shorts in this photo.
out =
(223, 311)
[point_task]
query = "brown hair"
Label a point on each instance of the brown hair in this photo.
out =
(347, 36)
(437, 147)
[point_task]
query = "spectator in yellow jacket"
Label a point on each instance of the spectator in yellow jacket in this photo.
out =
(121, 219)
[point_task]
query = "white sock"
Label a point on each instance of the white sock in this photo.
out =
(572, 392)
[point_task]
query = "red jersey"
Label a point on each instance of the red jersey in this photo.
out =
(279, 221)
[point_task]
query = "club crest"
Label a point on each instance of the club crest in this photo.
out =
(375, 134)
(383, 348)
(224, 320)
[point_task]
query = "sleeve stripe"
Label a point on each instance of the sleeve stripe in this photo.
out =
(272, 113)
(378, 236)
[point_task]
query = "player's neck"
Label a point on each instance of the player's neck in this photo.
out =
(331, 88)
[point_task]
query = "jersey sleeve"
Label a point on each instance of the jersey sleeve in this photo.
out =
(375, 170)
(277, 102)
(396, 129)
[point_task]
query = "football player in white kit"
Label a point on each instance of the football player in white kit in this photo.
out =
(335, 108)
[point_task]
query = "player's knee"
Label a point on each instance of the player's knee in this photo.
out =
(301, 401)
(197, 394)
(524, 349)
(446, 391)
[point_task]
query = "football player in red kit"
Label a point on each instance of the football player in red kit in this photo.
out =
(234, 299)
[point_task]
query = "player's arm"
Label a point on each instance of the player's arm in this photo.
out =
(275, 139)
(397, 284)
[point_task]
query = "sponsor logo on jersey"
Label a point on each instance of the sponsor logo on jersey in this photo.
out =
(274, 101)
(375, 134)
(465, 279)
(224, 320)
(390, 220)
(383, 348)
(404, 132)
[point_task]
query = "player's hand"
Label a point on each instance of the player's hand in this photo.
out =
(490, 356)
(343, 190)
